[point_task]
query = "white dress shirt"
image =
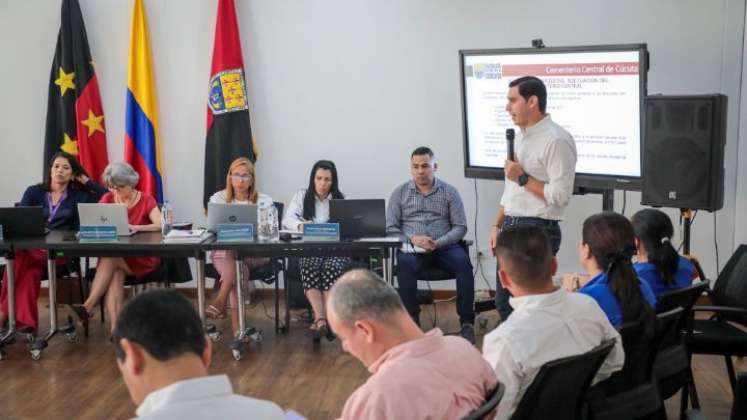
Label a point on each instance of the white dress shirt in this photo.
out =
(294, 215)
(546, 152)
(208, 397)
(544, 328)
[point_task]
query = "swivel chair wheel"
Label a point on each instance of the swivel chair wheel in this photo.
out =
(72, 337)
(215, 336)
(237, 354)
(257, 337)
(2, 354)
(36, 354)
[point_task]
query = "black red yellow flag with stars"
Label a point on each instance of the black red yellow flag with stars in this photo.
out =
(229, 132)
(75, 116)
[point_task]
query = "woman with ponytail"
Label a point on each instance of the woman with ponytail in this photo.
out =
(659, 265)
(607, 246)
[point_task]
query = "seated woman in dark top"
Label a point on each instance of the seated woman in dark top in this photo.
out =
(59, 195)
(658, 263)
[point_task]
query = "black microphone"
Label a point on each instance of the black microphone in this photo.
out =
(510, 134)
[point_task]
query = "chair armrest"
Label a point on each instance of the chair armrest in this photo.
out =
(729, 310)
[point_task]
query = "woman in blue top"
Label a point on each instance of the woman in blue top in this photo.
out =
(59, 195)
(607, 245)
(659, 264)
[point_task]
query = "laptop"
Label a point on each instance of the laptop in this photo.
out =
(219, 213)
(359, 218)
(22, 222)
(100, 214)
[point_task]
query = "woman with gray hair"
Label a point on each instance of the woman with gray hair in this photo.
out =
(143, 216)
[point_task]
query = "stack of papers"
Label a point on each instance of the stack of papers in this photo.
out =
(193, 236)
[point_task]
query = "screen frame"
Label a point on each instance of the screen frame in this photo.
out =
(582, 181)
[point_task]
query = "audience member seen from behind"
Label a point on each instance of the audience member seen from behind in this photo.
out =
(318, 274)
(241, 188)
(143, 215)
(58, 196)
(413, 375)
(164, 356)
(658, 263)
(428, 215)
(547, 323)
(607, 245)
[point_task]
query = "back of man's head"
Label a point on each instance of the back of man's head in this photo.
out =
(163, 323)
(525, 253)
(361, 294)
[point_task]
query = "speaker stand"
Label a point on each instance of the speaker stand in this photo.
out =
(686, 216)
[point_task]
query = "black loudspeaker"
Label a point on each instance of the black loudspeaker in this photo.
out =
(683, 160)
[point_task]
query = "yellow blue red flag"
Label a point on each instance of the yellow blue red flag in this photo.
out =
(142, 149)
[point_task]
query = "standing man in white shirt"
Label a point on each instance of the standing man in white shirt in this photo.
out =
(548, 323)
(539, 178)
(163, 355)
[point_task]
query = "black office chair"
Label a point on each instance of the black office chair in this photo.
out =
(439, 273)
(433, 273)
(631, 393)
(487, 410)
(559, 388)
(718, 335)
(739, 408)
(672, 365)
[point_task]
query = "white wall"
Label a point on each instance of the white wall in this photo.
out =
(361, 83)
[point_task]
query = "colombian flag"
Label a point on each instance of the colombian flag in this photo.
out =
(142, 150)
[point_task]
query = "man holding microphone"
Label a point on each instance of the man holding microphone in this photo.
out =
(539, 178)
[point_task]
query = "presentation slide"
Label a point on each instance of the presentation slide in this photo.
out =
(596, 96)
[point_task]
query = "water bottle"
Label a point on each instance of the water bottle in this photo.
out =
(267, 222)
(274, 223)
(167, 218)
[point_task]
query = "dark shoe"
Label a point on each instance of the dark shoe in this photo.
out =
(468, 333)
(316, 331)
(327, 331)
(83, 316)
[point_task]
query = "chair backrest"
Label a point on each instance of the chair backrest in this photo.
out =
(639, 343)
(672, 361)
(682, 298)
(560, 386)
(730, 288)
(739, 407)
(491, 402)
(668, 332)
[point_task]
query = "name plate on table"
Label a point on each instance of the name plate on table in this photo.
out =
(235, 232)
(321, 232)
(98, 233)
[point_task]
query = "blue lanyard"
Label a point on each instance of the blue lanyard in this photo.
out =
(54, 208)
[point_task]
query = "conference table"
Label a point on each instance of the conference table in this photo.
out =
(65, 243)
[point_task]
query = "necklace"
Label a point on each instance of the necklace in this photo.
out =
(129, 202)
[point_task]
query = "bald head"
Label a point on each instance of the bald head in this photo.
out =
(361, 294)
